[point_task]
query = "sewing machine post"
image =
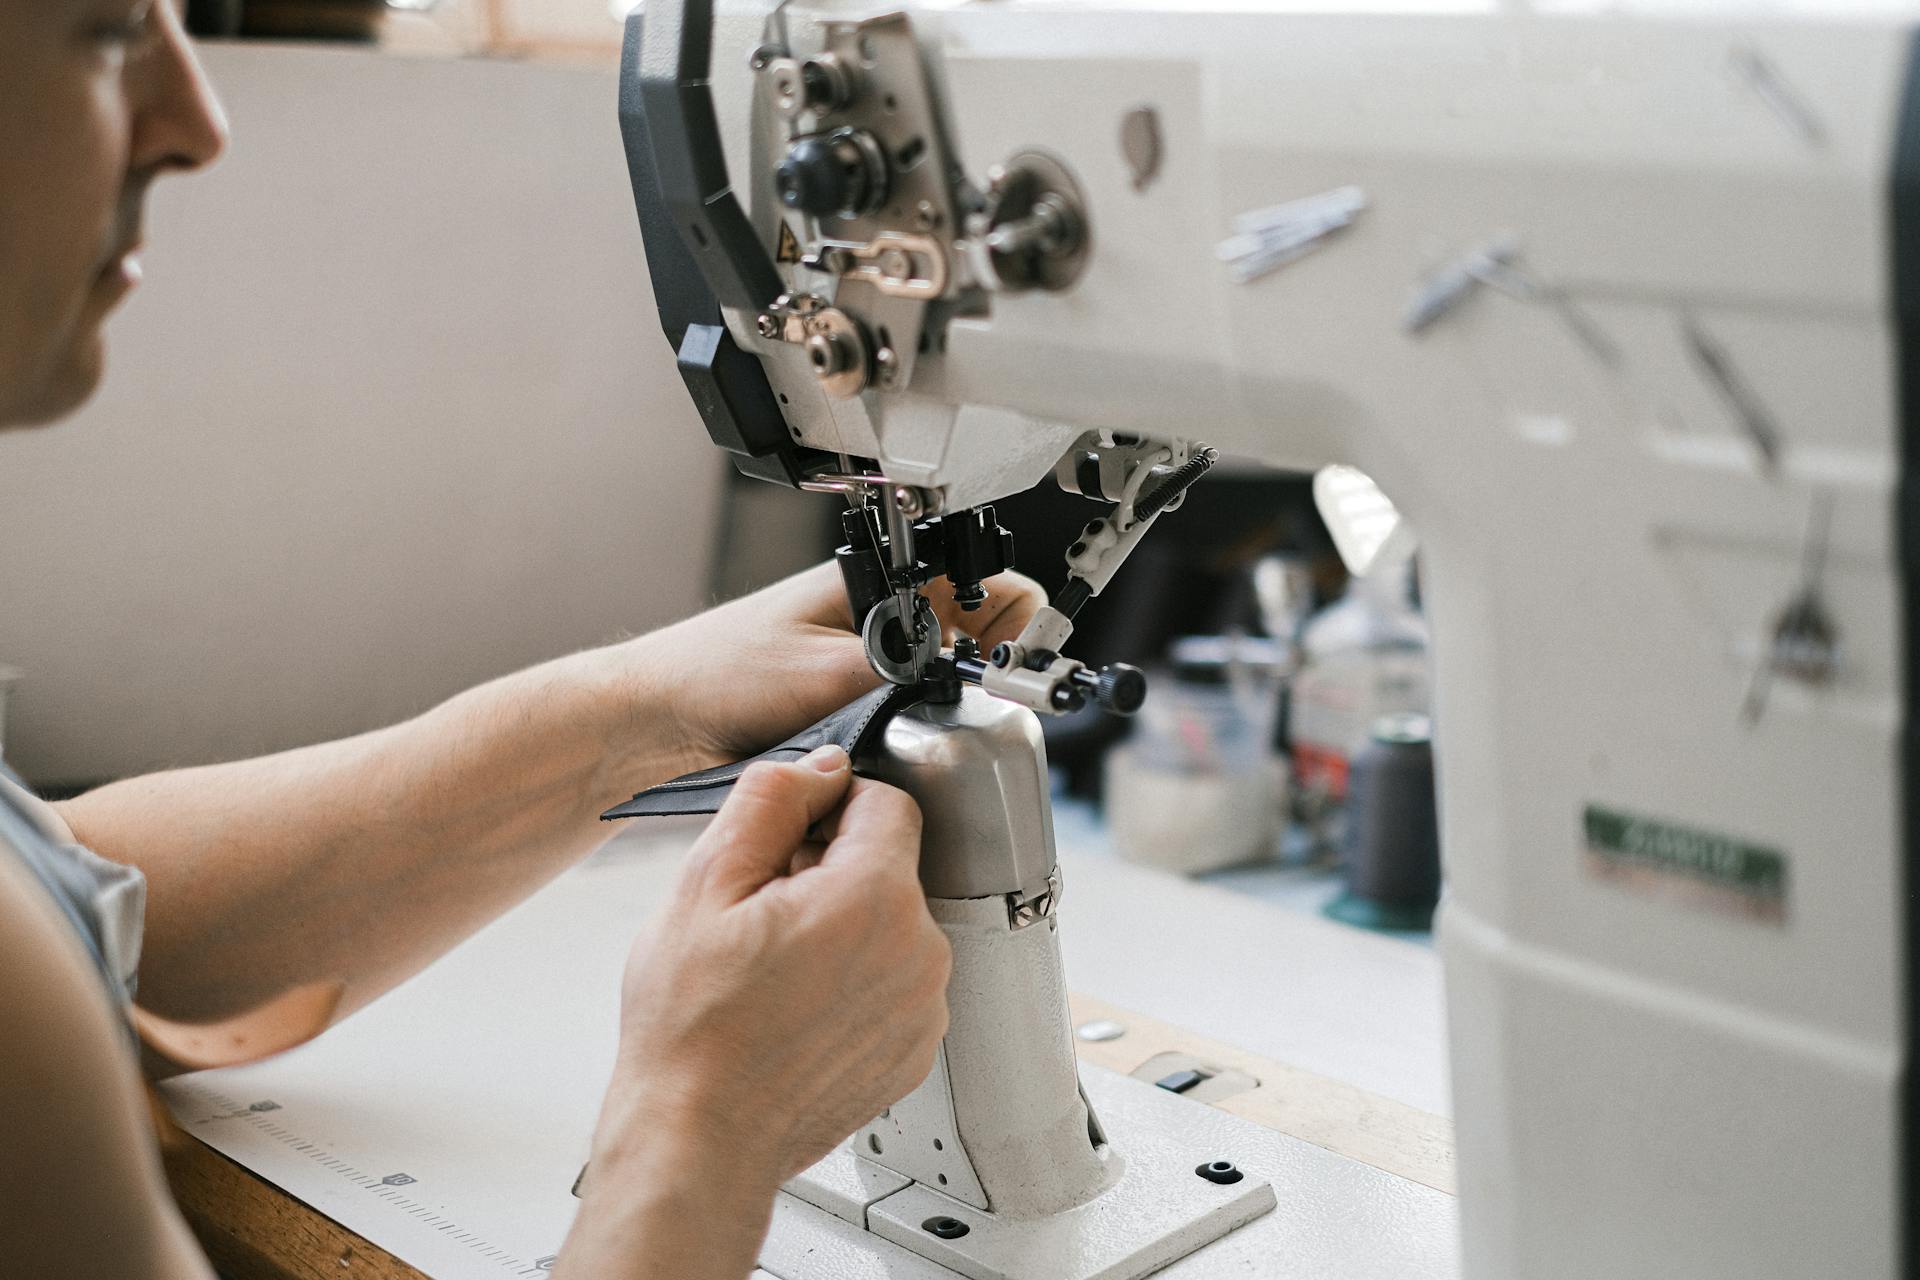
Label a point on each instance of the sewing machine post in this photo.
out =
(1617, 305)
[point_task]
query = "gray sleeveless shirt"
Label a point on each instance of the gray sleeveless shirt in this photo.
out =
(106, 903)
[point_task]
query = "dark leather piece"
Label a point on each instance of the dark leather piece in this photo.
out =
(856, 727)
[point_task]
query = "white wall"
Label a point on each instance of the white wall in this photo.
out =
(391, 415)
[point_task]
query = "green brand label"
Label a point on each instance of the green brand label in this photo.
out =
(1703, 868)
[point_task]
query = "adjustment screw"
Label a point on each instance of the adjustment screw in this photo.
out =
(1220, 1171)
(909, 501)
(788, 88)
(886, 364)
(828, 354)
(766, 325)
(896, 265)
(946, 1228)
(925, 216)
(1002, 655)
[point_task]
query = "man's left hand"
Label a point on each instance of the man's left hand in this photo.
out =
(737, 679)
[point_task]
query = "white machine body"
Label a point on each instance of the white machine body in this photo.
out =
(1001, 1125)
(1616, 329)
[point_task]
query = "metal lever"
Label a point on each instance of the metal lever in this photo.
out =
(701, 249)
(673, 57)
(1059, 685)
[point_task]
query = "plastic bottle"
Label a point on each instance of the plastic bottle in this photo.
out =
(1362, 657)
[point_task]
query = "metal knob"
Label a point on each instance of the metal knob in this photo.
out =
(842, 174)
(1122, 689)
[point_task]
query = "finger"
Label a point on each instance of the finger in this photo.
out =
(1012, 600)
(752, 839)
(821, 671)
(878, 831)
(818, 596)
(806, 857)
(827, 830)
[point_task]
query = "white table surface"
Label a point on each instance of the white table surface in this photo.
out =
(447, 1121)
(1285, 984)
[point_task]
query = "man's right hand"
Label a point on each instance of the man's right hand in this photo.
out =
(795, 988)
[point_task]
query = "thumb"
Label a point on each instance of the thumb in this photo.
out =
(751, 841)
(877, 832)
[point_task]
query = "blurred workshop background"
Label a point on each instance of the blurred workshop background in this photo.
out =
(393, 415)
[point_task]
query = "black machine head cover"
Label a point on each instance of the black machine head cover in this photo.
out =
(856, 727)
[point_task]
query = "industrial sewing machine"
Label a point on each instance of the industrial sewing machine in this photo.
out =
(1617, 302)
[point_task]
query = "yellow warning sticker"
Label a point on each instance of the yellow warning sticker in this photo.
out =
(788, 250)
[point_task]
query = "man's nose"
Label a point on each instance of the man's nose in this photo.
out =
(179, 124)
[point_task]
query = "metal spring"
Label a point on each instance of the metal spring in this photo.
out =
(1151, 504)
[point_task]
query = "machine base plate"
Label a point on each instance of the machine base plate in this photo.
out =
(1159, 1211)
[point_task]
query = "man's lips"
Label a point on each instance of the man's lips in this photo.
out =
(122, 269)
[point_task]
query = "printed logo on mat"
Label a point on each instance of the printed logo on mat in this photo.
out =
(1706, 870)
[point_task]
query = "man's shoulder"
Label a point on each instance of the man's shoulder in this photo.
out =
(43, 968)
(80, 1190)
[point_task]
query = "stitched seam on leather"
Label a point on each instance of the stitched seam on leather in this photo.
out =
(730, 773)
(727, 775)
(908, 697)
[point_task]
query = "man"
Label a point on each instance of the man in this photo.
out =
(795, 988)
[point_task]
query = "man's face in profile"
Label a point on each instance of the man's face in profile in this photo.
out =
(97, 99)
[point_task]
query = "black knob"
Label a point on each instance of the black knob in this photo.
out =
(823, 176)
(1122, 689)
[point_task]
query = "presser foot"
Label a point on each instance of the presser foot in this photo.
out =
(1173, 1196)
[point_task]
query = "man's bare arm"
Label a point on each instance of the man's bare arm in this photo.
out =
(358, 862)
(81, 1191)
(792, 991)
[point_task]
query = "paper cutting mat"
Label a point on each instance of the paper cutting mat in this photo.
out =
(447, 1121)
